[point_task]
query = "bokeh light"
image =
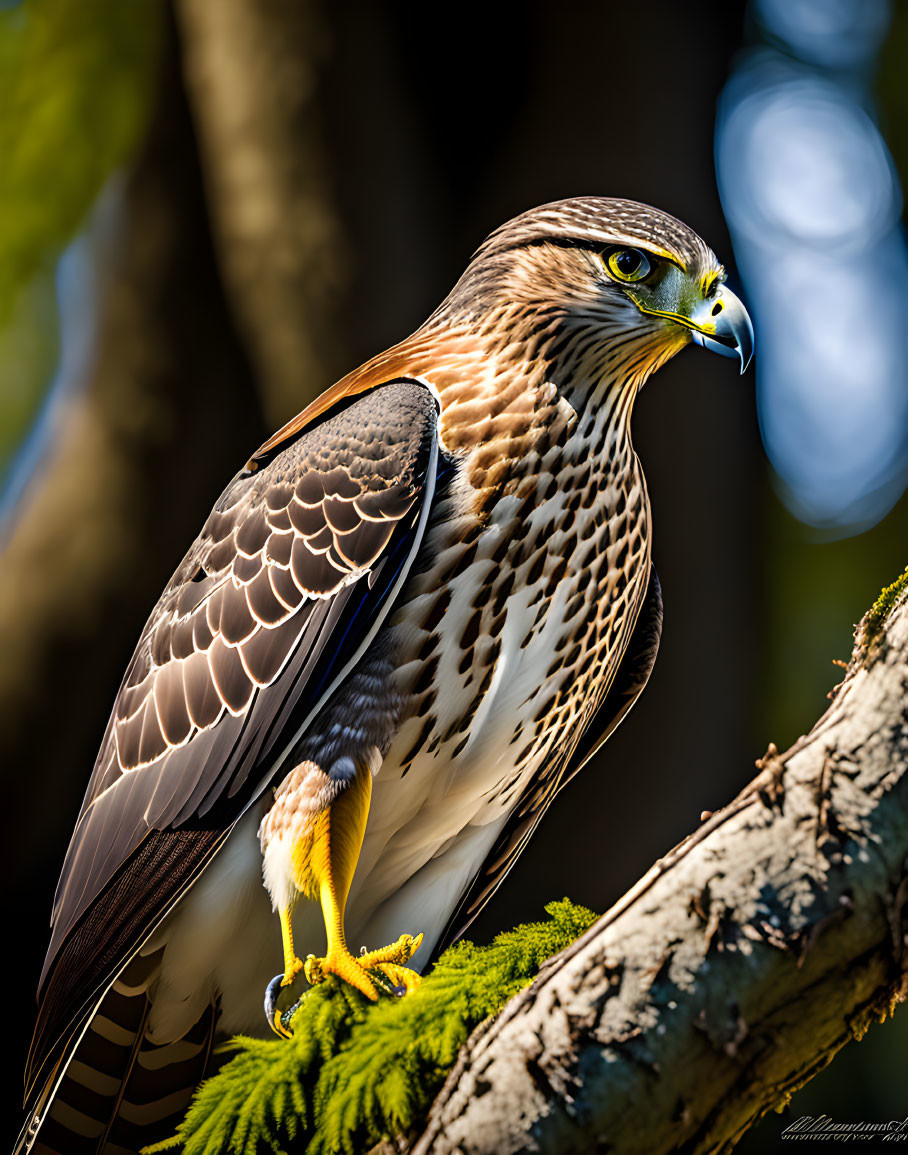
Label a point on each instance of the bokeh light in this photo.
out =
(813, 204)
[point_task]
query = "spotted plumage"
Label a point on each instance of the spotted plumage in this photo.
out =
(410, 618)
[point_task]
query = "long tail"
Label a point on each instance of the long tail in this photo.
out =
(120, 1091)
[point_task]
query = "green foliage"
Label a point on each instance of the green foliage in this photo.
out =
(879, 611)
(356, 1071)
(75, 85)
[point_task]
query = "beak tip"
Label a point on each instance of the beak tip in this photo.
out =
(745, 337)
(733, 334)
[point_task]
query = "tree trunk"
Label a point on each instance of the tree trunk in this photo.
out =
(252, 70)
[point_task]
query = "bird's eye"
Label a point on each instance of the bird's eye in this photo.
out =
(628, 264)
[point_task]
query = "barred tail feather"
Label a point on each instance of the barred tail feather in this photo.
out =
(121, 1091)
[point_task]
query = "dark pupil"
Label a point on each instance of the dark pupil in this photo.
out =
(628, 262)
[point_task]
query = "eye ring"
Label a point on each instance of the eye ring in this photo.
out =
(628, 265)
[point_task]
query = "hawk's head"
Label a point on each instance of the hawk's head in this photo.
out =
(613, 268)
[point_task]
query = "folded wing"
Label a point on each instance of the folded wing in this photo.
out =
(298, 563)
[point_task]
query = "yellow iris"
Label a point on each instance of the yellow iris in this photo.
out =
(628, 264)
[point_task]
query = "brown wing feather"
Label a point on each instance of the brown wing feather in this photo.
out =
(219, 671)
(629, 681)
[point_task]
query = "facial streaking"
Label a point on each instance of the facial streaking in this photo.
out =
(660, 287)
(590, 258)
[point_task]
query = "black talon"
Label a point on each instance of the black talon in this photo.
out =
(272, 1014)
(381, 980)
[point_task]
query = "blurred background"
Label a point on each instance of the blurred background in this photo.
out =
(210, 211)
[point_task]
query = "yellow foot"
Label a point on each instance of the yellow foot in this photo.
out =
(291, 972)
(400, 976)
(388, 961)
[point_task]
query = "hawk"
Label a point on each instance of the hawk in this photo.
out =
(410, 619)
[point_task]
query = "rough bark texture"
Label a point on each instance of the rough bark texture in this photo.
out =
(733, 971)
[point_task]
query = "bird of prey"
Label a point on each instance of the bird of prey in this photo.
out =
(410, 618)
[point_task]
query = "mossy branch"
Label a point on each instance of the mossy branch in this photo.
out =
(355, 1071)
(726, 978)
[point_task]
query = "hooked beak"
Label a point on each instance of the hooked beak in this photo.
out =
(717, 321)
(721, 323)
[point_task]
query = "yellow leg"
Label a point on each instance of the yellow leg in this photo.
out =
(325, 863)
(292, 965)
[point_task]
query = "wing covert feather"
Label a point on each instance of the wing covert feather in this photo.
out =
(236, 649)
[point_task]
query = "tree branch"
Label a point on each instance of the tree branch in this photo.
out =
(734, 970)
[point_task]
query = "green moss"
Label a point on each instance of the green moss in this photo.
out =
(878, 613)
(356, 1071)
